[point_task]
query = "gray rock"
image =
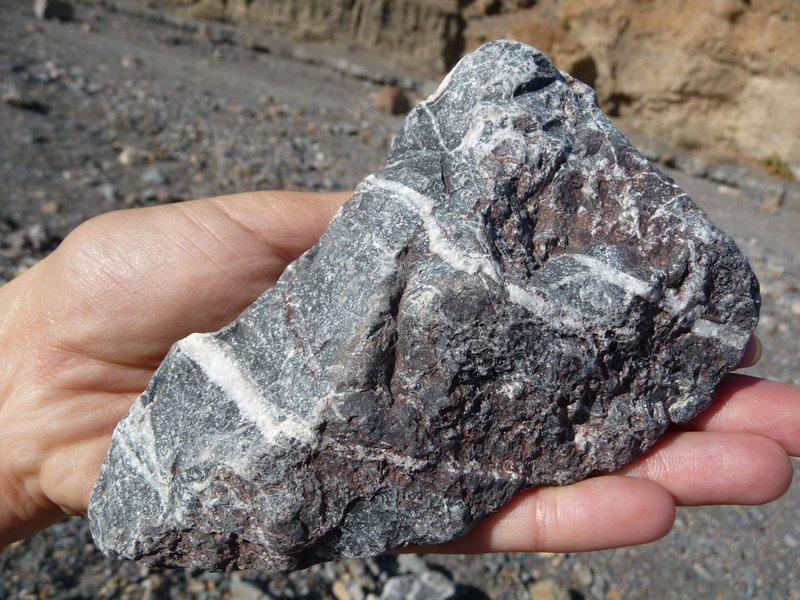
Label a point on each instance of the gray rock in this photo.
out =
(431, 585)
(53, 9)
(154, 176)
(519, 298)
(411, 563)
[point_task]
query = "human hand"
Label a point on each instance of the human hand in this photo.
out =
(82, 332)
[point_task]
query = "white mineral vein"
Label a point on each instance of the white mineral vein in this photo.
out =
(629, 283)
(438, 243)
(222, 370)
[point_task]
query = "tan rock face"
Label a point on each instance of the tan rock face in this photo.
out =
(722, 76)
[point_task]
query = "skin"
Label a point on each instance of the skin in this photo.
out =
(82, 332)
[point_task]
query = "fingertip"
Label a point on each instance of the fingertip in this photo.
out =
(716, 468)
(645, 510)
(752, 353)
(594, 514)
(782, 471)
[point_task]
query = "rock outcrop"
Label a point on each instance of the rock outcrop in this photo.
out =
(722, 77)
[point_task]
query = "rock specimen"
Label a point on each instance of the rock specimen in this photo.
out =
(518, 298)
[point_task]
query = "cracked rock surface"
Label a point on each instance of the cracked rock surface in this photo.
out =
(518, 298)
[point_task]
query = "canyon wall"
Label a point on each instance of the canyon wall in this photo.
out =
(721, 76)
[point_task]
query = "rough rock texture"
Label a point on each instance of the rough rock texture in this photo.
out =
(518, 298)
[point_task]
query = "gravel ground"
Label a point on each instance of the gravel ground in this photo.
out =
(109, 111)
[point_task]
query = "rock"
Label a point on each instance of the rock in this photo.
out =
(13, 97)
(431, 585)
(154, 176)
(548, 589)
(50, 207)
(108, 192)
(410, 563)
(128, 156)
(583, 574)
(53, 9)
(208, 10)
(340, 591)
(519, 298)
(393, 100)
(35, 237)
(241, 589)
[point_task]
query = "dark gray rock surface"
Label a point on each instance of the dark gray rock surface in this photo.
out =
(518, 298)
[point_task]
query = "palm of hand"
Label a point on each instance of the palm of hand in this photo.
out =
(85, 329)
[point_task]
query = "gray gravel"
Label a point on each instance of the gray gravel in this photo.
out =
(107, 112)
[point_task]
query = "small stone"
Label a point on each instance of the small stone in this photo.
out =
(730, 10)
(108, 192)
(772, 204)
(430, 585)
(767, 325)
(548, 589)
(411, 563)
(154, 176)
(197, 587)
(130, 61)
(519, 298)
(795, 307)
(13, 97)
(242, 590)
(583, 574)
(128, 156)
(53, 10)
(340, 591)
(392, 99)
(36, 236)
(50, 207)
(355, 590)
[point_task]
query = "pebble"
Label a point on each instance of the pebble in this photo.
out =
(583, 574)
(431, 585)
(411, 563)
(767, 325)
(130, 61)
(154, 176)
(340, 591)
(60, 10)
(108, 192)
(128, 156)
(393, 100)
(702, 572)
(13, 97)
(50, 207)
(243, 590)
(548, 589)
